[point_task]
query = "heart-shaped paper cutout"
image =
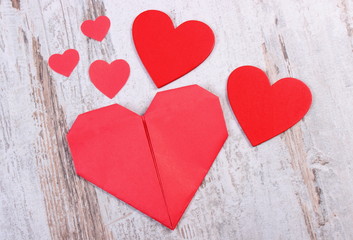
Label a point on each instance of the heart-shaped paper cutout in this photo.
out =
(168, 52)
(264, 111)
(153, 162)
(64, 63)
(96, 29)
(109, 78)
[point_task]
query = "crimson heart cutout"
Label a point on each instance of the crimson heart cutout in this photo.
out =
(153, 162)
(262, 110)
(97, 29)
(109, 78)
(64, 63)
(167, 52)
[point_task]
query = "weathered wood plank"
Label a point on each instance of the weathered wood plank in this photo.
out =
(295, 186)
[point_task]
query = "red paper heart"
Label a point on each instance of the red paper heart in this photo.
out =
(109, 78)
(153, 162)
(167, 52)
(64, 63)
(96, 29)
(262, 110)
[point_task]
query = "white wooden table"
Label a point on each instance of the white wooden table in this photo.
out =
(295, 186)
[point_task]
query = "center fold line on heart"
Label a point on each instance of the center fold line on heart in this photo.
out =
(156, 167)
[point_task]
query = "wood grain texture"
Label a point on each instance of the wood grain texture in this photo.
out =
(295, 186)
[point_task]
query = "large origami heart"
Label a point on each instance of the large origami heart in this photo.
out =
(153, 162)
(262, 110)
(168, 52)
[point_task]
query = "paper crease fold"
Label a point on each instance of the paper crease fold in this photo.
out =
(157, 171)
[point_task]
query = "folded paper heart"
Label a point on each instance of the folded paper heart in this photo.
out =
(153, 162)
(96, 29)
(264, 111)
(109, 78)
(64, 63)
(168, 52)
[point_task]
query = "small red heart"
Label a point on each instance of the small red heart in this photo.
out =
(109, 78)
(264, 111)
(168, 52)
(154, 162)
(96, 29)
(64, 63)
